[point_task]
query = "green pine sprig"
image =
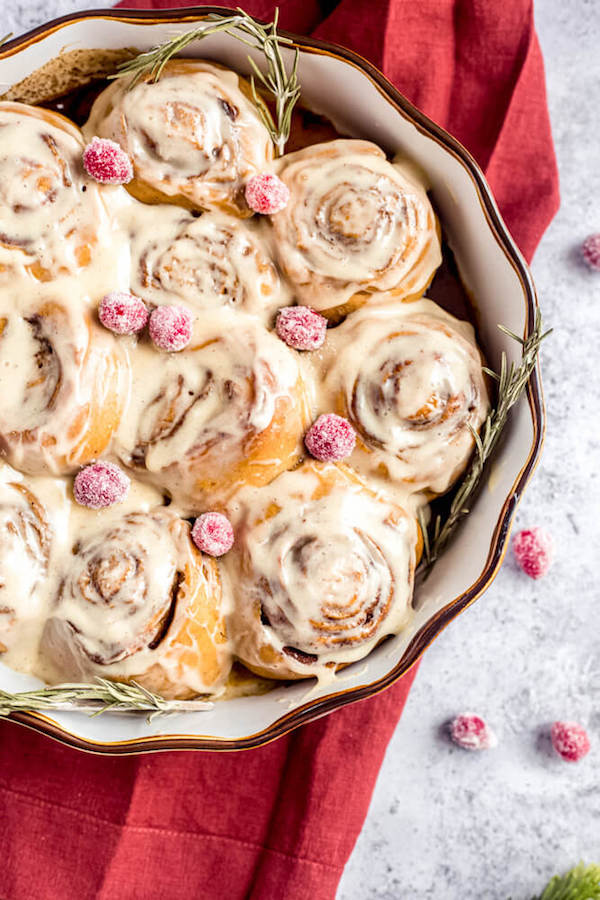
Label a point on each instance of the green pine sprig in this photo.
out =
(581, 883)
(276, 80)
(512, 381)
(96, 698)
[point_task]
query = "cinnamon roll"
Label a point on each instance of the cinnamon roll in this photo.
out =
(51, 214)
(24, 555)
(194, 137)
(415, 393)
(355, 225)
(207, 262)
(139, 602)
(63, 381)
(322, 570)
(229, 409)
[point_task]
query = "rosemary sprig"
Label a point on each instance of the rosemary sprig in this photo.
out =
(512, 381)
(96, 698)
(581, 883)
(283, 85)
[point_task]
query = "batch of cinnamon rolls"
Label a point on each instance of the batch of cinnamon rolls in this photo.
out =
(325, 548)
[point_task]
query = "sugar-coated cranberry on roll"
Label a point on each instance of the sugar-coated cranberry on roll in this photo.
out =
(24, 556)
(138, 601)
(194, 137)
(52, 215)
(64, 381)
(208, 262)
(229, 409)
(410, 379)
(355, 225)
(322, 570)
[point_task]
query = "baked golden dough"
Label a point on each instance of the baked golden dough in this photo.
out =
(24, 555)
(324, 557)
(52, 216)
(355, 225)
(64, 383)
(207, 262)
(231, 409)
(323, 569)
(139, 601)
(194, 137)
(415, 393)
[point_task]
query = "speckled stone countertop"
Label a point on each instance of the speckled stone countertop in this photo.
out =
(444, 823)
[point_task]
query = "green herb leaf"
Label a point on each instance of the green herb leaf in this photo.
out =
(96, 698)
(581, 883)
(512, 381)
(276, 80)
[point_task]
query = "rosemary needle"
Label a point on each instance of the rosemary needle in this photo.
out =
(96, 698)
(511, 382)
(276, 80)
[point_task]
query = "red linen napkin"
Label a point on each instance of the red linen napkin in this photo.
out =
(279, 823)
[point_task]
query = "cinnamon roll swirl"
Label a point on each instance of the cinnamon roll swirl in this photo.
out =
(194, 137)
(207, 262)
(355, 225)
(229, 409)
(51, 214)
(414, 393)
(24, 555)
(322, 570)
(140, 602)
(63, 381)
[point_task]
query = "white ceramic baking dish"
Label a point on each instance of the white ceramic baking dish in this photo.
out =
(359, 99)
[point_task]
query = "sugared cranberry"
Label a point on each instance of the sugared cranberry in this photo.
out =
(591, 251)
(122, 313)
(471, 733)
(570, 740)
(301, 328)
(266, 194)
(331, 438)
(213, 533)
(532, 548)
(171, 327)
(106, 162)
(100, 485)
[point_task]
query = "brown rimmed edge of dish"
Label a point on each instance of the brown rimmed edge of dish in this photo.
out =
(318, 707)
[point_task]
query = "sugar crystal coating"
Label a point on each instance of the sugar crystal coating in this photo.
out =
(213, 533)
(471, 733)
(301, 328)
(570, 740)
(122, 313)
(532, 548)
(591, 251)
(331, 438)
(106, 162)
(171, 327)
(100, 485)
(266, 194)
